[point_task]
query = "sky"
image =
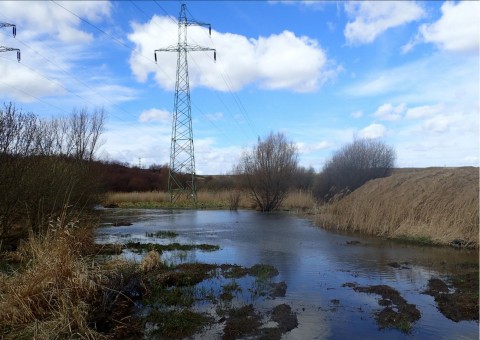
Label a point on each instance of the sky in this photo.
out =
(321, 72)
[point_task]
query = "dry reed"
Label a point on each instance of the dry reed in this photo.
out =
(50, 297)
(437, 204)
(300, 200)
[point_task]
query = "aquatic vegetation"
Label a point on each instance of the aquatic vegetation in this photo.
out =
(162, 234)
(461, 301)
(140, 247)
(397, 313)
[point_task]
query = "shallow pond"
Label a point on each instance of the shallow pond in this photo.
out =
(319, 268)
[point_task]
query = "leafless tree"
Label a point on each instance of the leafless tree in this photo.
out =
(43, 164)
(353, 165)
(266, 171)
(17, 131)
(85, 131)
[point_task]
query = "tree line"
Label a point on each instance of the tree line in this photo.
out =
(45, 166)
(48, 166)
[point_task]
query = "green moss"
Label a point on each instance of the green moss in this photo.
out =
(169, 247)
(421, 240)
(177, 324)
(162, 234)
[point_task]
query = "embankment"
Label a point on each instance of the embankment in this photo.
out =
(437, 205)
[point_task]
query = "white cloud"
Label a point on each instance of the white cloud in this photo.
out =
(373, 131)
(48, 18)
(442, 134)
(390, 112)
(424, 111)
(357, 114)
(154, 115)
(312, 147)
(458, 29)
(279, 61)
(435, 78)
(26, 85)
(215, 116)
(53, 44)
(372, 18)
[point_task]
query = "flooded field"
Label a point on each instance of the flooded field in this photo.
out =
(294, 280)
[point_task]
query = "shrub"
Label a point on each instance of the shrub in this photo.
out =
(352, 166)
(268, 169)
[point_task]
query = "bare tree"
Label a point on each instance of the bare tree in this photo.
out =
(17, 131)
(85, 130)
(267, 170)
(37, 175)
(353, 165)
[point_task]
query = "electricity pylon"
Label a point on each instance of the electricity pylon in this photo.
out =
(8, 49)
(181, 177)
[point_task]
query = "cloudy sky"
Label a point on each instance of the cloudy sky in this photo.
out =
(321, 72)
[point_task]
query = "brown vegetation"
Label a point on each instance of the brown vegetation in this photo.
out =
(436, 204)
(296, 200)
(266, 172)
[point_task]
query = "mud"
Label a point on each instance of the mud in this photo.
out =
(397, 312)
(457, 300)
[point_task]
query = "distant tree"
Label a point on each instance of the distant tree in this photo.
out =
(45, 166)
(267, 170)
(85, 131)
(352, 166)
(304, 178)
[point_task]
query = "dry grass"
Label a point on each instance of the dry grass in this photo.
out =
(135, 197)
(227, 199)
(439, 204)
(50, 296)
(59, 292)
(300, 200)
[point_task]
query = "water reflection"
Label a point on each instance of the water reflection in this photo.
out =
(314, 263)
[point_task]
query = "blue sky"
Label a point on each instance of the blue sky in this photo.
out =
(322, 72)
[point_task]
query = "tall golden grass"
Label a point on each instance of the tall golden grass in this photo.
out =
(300, 200)
(59, 292)
(52, 293)
(439, 204)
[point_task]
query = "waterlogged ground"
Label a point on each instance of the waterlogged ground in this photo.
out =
(277, 275)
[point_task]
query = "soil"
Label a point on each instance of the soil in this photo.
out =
(397, 312)
(457, 300)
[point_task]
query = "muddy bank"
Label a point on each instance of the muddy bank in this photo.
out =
(456, 295)
(169, 302)
(396, 312)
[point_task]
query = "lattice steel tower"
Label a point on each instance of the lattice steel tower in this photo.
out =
(181, 178)
(8, 49)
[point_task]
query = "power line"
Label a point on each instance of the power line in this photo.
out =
(182, 155)
(228, 84)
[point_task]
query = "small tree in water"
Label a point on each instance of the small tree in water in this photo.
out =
(267, 170)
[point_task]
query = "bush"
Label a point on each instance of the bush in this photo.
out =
(45, 167)
(352, 166)
(267, 170)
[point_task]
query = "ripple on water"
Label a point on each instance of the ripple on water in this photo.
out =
(314, 263)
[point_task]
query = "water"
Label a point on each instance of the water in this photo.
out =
(313, 262)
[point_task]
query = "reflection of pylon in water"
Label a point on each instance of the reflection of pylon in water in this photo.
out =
(181, 178)
(8, 49)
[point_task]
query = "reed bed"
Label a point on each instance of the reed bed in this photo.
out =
(52, 293)
(440, 205)
(299, 200)
(59, 291)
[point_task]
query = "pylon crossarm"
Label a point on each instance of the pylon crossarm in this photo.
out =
(9, 49)
(6, 24)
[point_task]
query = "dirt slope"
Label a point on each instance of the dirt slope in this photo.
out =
(439, 204)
